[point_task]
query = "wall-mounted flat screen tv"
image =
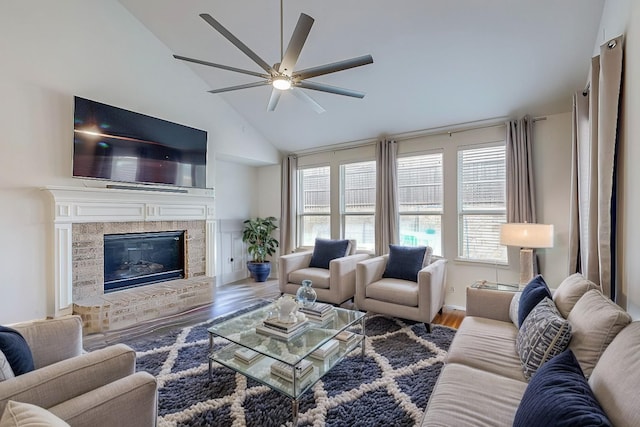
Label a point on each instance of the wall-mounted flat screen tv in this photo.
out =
(114, 144)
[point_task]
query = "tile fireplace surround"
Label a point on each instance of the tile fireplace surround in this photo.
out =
(82, 216)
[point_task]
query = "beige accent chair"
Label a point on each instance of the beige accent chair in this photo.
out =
(335, 285)
(405, 299)
(100, 388)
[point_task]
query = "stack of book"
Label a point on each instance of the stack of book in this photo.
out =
(318, 311)
(276, 328)
(326, 350)
(285, 371)
(346, 337)
(246, 355)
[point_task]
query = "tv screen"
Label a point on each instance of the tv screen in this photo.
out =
(119, 145)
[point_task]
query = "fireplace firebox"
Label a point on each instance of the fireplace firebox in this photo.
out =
(138, 259)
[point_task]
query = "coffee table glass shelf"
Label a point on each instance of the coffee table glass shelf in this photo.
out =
(505, 287)
(240, 336)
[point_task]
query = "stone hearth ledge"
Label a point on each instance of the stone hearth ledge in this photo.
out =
(126, 308)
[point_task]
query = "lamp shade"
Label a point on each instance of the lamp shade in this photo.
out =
(526, 235)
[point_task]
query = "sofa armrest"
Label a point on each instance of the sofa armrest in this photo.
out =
(291, 262)
(367, 272)
(56, 383)
(342, 274)
(489, 303)
(128, 402)
(52, 340)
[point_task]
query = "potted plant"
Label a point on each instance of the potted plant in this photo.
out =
(261, 244)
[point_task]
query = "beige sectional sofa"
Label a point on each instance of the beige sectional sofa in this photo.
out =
(482, 382)
(100, 388)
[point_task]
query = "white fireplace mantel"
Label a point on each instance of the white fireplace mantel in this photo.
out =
(86, 204)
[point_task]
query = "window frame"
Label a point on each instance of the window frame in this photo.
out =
(342, 211)
(300, 213)
(461, 212)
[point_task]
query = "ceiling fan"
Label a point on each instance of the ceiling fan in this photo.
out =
(282, 75)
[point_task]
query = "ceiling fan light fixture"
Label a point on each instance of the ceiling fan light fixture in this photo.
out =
(281, 83)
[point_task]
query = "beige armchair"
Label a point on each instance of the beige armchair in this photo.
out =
(334, 285)
(419, 301)
(100, 388)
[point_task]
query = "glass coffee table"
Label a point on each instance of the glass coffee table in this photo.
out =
(291, 355)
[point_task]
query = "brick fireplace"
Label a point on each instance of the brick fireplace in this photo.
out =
(82, 218)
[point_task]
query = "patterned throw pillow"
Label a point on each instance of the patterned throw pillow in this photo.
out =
(544, 334)
(559, 395)
(513, 308)
(5, 369)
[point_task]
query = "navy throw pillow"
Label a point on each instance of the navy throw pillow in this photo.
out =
(535, 291)
(16, 350)
(404, 262)
(325, 250)
(559, 395)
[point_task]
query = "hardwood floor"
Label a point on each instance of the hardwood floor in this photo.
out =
(227, 299)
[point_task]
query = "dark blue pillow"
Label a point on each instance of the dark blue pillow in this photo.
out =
(559, 395)
(404, 262)
(535, 291)
(325, 250)
(16, 350)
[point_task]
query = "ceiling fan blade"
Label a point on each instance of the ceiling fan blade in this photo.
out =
(299, 36)
(224, 67)
(333, 67)
(237, 43)
(300, 94)
(273, 100)
(244, 86)
(331, 89)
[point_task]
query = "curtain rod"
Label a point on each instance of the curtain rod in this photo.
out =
(440, 130)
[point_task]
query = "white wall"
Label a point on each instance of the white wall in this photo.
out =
(52, 51)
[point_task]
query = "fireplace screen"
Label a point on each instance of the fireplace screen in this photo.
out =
(142, 258)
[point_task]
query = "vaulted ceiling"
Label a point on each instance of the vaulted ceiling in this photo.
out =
(436, 62)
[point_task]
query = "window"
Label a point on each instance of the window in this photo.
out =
(358, 203)
(314, 210)
(420, 201)
(481, 203)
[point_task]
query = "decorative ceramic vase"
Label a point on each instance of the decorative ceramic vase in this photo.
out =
(306, 295)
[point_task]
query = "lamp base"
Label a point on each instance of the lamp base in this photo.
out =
(526, 266)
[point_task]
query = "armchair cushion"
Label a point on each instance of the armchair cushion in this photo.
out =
(319, 277)
(404, 262)
(20, 414)
(403, 292)
(325, 250)
(16, 350)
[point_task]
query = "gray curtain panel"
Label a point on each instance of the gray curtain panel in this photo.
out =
(595, 130)
(521, 203)
(386, 222)
(288, 204)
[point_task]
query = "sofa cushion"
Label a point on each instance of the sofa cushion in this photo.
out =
(570, 291)
(595, 321)
(559, 395)
(487, 344)
(5, 368)
(404, 262)
(16, 350)
(544, 334)
(514, 307)
(325, 250)
(319, 277)
(469, 397)
(19, 414)
(615, 378)
(402, 292)
(535, 291)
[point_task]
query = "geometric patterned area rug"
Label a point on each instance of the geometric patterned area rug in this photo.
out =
(390, 386)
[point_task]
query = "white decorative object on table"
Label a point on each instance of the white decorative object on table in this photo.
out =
(287, 309)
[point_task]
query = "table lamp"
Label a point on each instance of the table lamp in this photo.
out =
(527, 236)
